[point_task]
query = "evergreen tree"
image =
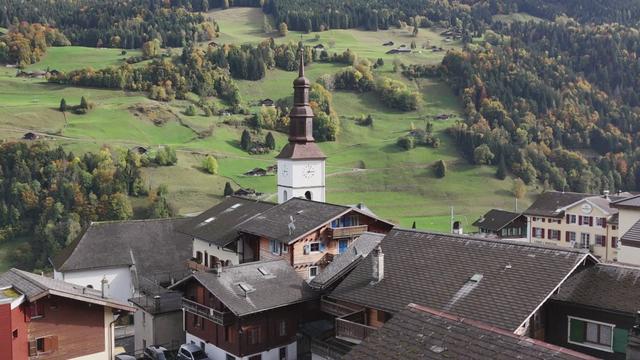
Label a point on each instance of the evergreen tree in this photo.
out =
(501, 172)
(245, 140)
(83, 103)
(63, 105)
(283, 30)
(440, 169)
(270, 141)
(228, 190)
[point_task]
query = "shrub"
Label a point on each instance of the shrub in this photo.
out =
(190, 110)
(228, 190)
(406, 142)
(270, 141)
(210, 165)
(440, 169)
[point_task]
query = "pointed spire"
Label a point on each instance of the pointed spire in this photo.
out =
(301, 65)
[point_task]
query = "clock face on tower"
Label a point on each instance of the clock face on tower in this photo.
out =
(309, 171)
(284, 170)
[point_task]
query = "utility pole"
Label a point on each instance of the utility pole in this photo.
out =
(451, 222)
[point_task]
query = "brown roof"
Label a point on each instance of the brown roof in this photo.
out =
(630, 202)
(308, 150)
(438, 270)
(549, 202)
(496, 219)
(419, 333)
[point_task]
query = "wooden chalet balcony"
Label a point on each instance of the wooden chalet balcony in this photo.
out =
(352, 331)
(347, 231)
(193, 265)
(336, 309)
(219, 317)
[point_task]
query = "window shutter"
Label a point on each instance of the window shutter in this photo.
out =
(604, 222)
(590, 220)
(542, 233)
(549, 235)
(33, 351)
(580, 220)
(567, 238)
(567, 218)
(321, 247)
(620, 338)
(576, 330)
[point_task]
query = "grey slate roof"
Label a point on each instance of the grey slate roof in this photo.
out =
(435, 270)
(632, 235)
(307, 215)
(418, 333)
(496, 219)
(632, 202)
(282, 286)
(218, 225)
(605, 286)
(167, 301)
(34, 287)
(159, 251)
(547, 203)
(345, 262)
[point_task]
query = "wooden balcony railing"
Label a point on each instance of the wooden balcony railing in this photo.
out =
(351, 331)
(348, 231)
(193, 265)
(219, 317)
(336, 309)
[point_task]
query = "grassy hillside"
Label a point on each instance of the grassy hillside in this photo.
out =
(364, 164)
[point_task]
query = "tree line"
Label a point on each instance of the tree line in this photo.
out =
(25, 43)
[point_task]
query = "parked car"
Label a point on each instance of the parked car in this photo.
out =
(157, 352)
(191, 352)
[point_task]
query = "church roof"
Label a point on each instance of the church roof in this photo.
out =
(296, 151)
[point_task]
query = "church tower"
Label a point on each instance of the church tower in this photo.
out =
(301, 163)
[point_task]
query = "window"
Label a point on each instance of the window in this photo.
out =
(282, 328)
(283, 353)
(554, 234)
(144, 319)
(36, 310)
(285, 248)
(253, 335)
(601, 222)
(43, 345)
(275, 246)
(538, 232)
(571, 219)
(199, 257)
(601, 240)
(15, 333)
(615, 243)
(256, 357)
(308, 195)
(585, 221)
(591, 334)
(314, 247)
(543, 220)
(231, 357)
(285, 197)
(313, 272)
(571, 236)
(584, 239)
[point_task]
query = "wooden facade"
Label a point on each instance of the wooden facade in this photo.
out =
(240, 336)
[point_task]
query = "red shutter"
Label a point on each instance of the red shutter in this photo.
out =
(542, 233)
(604, 222)
(549, 234)
(579, 219)
(567, 218)
(590, 220)
(566, 236)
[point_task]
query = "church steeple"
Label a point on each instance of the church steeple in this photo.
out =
(301, 163)
(301, 115)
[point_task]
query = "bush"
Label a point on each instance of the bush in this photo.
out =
(406, 142)
(190, 110)
(166, 156)
(210, 165)
(440, 169)
(228, 190)
(482, 155)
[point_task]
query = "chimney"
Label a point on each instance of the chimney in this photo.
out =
(156, 303)
(378, 264)
(633, 342)
(104, 283)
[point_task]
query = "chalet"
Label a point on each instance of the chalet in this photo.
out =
(158, 319)
(306, 233)
(43, 318)
(123, 252)
(418, 333)
(248, 311)
(629, 229)
(577, 220)
(594, 311)
(502, 224)
(503, 284)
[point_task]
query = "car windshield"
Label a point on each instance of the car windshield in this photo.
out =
(199, 355)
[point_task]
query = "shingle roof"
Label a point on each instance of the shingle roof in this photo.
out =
(34, 287)
(343, 263)
(167, 301)
(496, 219)
(218, 225)
(418, 333)
(435, 270)
(307, 216)
(281, 286)
(632, 236)
(301, 151)
(632, 202)
(159, 251)
(606, 286)
(548, 202)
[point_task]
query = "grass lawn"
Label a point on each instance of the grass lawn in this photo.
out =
(68, 58)
(245, 25)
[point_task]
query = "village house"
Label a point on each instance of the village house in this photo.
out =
(418, 333)
(502, 224)
(46, 319)
(629, 229)
(576, 220)
(123, 252)
(502, 284)
(249, 311)
(594, 311)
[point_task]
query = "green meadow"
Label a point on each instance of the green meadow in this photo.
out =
(364, 165)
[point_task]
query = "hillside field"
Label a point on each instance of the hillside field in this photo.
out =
(364, 165)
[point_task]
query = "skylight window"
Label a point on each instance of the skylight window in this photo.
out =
(246, 288)
(475, 278)
(264, 271)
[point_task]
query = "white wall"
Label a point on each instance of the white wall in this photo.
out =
(627, 218)
(296, 184)
(143, 330)
(120, 285)
(215, 353)
(215, 250)
(629, 255)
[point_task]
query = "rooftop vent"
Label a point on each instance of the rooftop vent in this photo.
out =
(437, 349)
(264, 271)
(475, 278)
(246, 288)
